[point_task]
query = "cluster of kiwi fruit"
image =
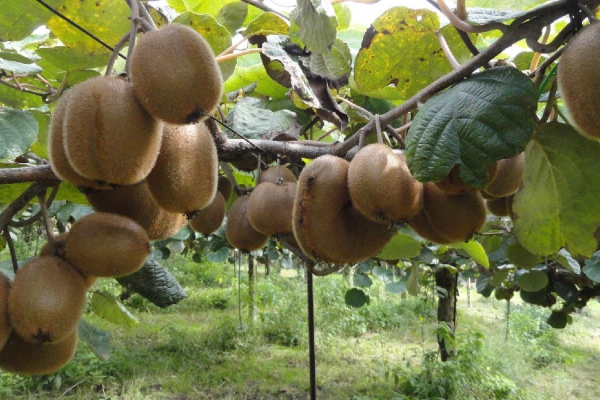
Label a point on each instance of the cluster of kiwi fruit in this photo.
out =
(40, 309)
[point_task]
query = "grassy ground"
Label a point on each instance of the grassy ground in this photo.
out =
(198, 349)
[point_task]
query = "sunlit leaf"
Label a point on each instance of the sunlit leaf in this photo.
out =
(107, 307)
(268, 24)
(11, 62)
(20, 18)
(401, 246)
(232, 16)
(475, 250)
(485, 118)
(506, 4)
(558, 205)
(317, 24)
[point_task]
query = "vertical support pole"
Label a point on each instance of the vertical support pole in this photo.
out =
(311, 335)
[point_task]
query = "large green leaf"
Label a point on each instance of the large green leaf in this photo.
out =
(255, 74)
(333, 65)
(215, 34)
(20, 18)
(108, 20)
(317, 24)
(475, 123)
(506, 4)
(558, 205)
(254, 122)
(475, 250)
(356, 298)
(532, 280)
(232, 16)
(97, 339)
(401, 246)
(60, 59)
(18, 131)
(154, 283)
(268, 24)
(18, 99)
(18, 64)
(107, 307)
(210, 7)
(592, 267)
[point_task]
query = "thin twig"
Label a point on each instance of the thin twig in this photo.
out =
(135, 13)
(115, 54)
(234, 46)
(46, 217)
(447, 51)
(146, 15)
(231, 56)
(463, 26)
(262, 6)
(536, 57)
(461, 9)
(11, 249)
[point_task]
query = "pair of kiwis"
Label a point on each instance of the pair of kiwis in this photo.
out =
(211, 217)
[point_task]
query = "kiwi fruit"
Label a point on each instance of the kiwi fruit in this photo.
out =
(225, 187)
(5, 326)
(106, 245)
(108, 136)
(58, 249)
(210, 218)
(381, 186)
(498, 207)
(326, 224)
(56, 150)
(247, 162)
(19, 356)
(420, 224)
(454, 184)
(175, 75)
(508, 179)
(137, 203)
(451, 218)
(239, 231)
(46, 300)
(270, 207)
(272, 174)
(578, 79)
(184, 178)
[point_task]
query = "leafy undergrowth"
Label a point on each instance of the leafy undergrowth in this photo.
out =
(206, 347)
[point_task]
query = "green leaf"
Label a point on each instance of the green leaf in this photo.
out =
(475, 250)
(558, 205)
(361, 280)
(383, 274)
(268, 24)
(566, 290)
(232, 16)
(520, 257)
(317, 24)
(107, 19)
(154, 283)
(592, 267)
(20, 18)
(482, 16)
(564, 258)
(185, 233)
(333, 65)
(18, 131)
(396, 287)
(97, 339)
(483, 285)
(498, 277)
(401, 246)
(210, 7)
(218, 256)
(60, 59)
(258, 123)
(40, 146)
(343, 15)
(558, 319)
(475, 123)
(18, 99)
(412, 284)
(356, 298)
(215, 34)
(532, 280)
(506, 4)
(107, 307)
(18, 64)
(244, 76)
(539, 297)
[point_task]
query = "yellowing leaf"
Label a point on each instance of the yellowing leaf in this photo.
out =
(475, 250)
(107, 307)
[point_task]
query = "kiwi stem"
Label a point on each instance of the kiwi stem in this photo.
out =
(46, 218)
(447, 51)
(231, 56)
(23, 200)
(234, 46)
(463, 26)
(329, 132)
(11, 249)
(227, 169)
(536, 57)
(549, 103)
(115, 54)
(135, 14)
(461, 9)
(37, 216)
(146, 16)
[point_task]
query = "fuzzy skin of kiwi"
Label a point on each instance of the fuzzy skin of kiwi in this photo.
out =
(225, 187)
(184, 179)
(24, 358)
(137, 203)
(272, 173)
(175, 75)
(270, 207)
(239, 231)
(508, 180)
(326, 225)
(579, 79)
(108, 136)
(46, 300)
(420, 224)
(381, 186)
(210, 218)
(106, 245)
(454, 184)
(453, 217)
(56, 150)
(498, 207)
(58, 249)
(5, 326)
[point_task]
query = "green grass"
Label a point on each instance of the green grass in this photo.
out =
(198, 349)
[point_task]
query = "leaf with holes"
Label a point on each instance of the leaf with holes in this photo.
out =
(483, 119)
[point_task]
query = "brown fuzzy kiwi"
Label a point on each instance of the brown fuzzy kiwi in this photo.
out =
(137, 203)
(46, 300)
(579, 79)
(108, 136)
(56, 150)
(24, 358)
(454, 184)
(498, 207)
(175, 75)
(270, 207)
(381, 186)
(210, 218)
(225, 187)
(239, 231)
(420, 224)
(106, 245)
(326, 225)
(272, 173)
(508, 180)
(184, 179)
(5, 326)
(453, 217)
(247, 162)
(58, 249)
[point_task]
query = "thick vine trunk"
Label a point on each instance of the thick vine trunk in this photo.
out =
(252, 288)
(446, 313)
